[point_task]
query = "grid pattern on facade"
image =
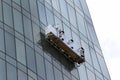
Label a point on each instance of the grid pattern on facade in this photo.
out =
(23, 57)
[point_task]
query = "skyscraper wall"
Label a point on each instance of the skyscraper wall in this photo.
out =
(26, 55)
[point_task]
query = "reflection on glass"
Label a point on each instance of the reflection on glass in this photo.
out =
(10, 44)
(30, 58)
(40, 65)
(25, 4)
(21, 75)
(27, 28)
(36, 33)
(58, 74)
(55, 4)
(2, 70)
(82, 72)
(72, 16)
(42, 13)
(103, 66)
(87, 52)
(95, 60)
(18, 21)
(33, 8)
(91, 75)
(63, 8)
(11, 72)
(1, 40)
(81, 24)
(7, 15)
(17, 1)
(49, 15)
(0, 11)
(20, 50)
(49, 70)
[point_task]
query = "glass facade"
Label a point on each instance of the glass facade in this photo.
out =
(24, 53)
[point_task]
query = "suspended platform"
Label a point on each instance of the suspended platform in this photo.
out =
(64, 48)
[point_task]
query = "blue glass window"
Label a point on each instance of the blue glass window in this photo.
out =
(0, 11)
(2, 70)
(11, 72)
(20, 50)
(1, 40)
(40, 65)
(7, 15)
(18, 21)
(30, 58)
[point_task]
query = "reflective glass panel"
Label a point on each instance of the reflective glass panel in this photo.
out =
(7, 15)
(20, 49)
(18, 21)
(0, 11)
(25, 4)
(72, 16)
(10, 44)
(30, 58)
(49, 70)
(11, 72)
(40, 65)
(27, 28)
(22, 75)
(58, 74)
(2, 70)
(1, 40)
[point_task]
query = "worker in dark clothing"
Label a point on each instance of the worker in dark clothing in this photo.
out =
(82, 52)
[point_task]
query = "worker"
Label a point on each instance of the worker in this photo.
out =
(82, 52)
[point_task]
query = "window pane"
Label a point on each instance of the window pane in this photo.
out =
(66, 78)
(7, 1)
(11, 72)
(81, 23)
(22, 75)
(25, 4)
(59, 22)
(58, 74)
(33, 8)
(7, 15)
(87, 52)
(103, 66)
(76, 44)
(63, 8)
(91, 76)
(77, 2)
(32, 74)
(10, 45)
(17, 1)
(0, 11)
(75, 73)
(93, 34)
(36, 33)
(2, 70)
(55, 4)
(95, 60)
(67, 32)
(49, 70)
(20, 49)
(1, 40)
(27, 28)
(49, 17)
(42, 12)
(30, 58)
(40, 66)
(72, 16)
(18, 21)
(82, 72)
(85, 8)
(29, 78)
